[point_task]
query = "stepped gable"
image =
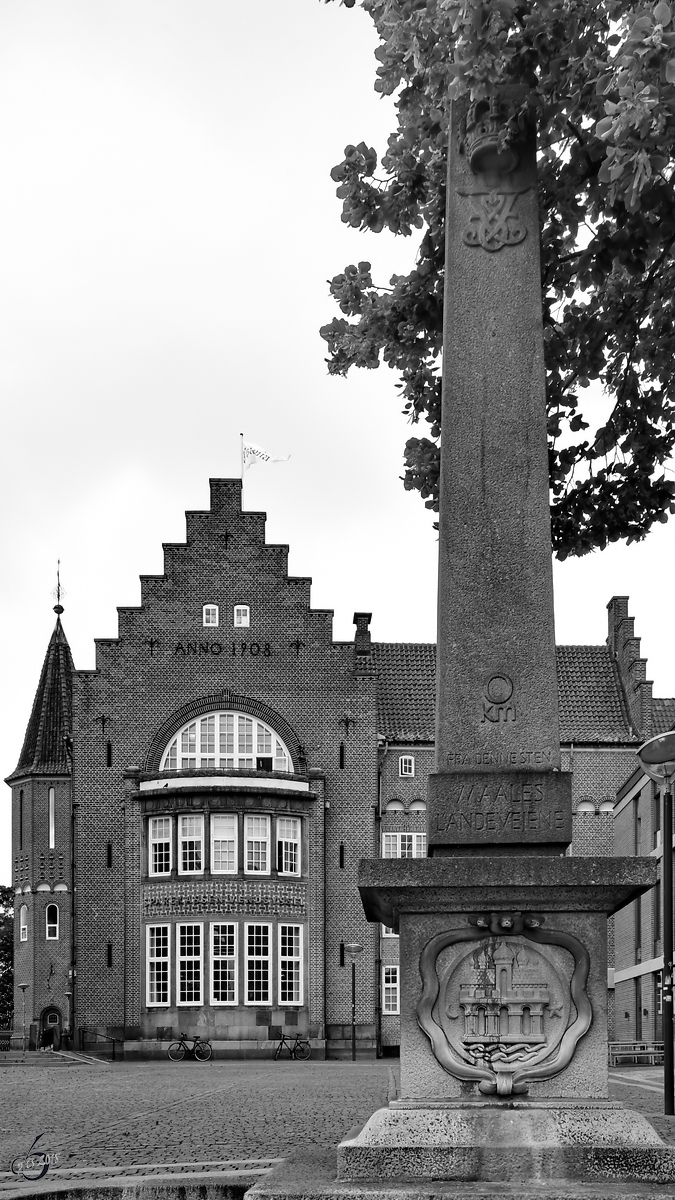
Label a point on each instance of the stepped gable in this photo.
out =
(663, 716)
(589, 694)
(44, 748)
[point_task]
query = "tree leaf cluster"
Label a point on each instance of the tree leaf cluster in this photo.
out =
(600, 78)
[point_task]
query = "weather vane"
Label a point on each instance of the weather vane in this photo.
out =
(58, 591)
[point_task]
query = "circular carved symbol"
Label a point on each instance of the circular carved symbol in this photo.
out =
(499, 689)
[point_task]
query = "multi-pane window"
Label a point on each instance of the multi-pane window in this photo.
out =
(191, 845)
(288, 845)
(224, 844)
(404, 845)
(257, 850)
(159, 846)
(226, 741)
(258, 945)
(406, 765)
(158, 964)
(390, 990)
(189, 963)
(224, 963)
(290, 964)
(23, 922)
(242, 616)
(52, 922)
(52, 819)
(210, 614)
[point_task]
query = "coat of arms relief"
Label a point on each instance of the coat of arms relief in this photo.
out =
(504, 1001)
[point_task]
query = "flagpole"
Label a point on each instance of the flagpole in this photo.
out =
(241, 455)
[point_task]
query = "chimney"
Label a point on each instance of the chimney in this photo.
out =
(362, 636)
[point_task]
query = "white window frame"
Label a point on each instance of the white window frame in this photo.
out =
(210, 616)
(241, 616)
(289, 958)
(251, 839)
(233, 818)
(23, 923)
(391, 990)
(249, 958)
(285, 844)
(191, 958)
(51, 801)
(406, 766)
(150, 1003)
(234, 958)
(387, 932)
(225, 740)
(155, 841)
(52, 937)
(392, 838)
(183, 838)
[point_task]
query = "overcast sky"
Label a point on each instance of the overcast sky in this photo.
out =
(167, 227)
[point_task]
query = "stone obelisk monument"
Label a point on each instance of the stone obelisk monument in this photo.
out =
(503, 936)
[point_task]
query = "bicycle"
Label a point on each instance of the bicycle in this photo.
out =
(200, 1049)
(297, 1047)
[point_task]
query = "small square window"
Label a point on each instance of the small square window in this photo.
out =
(242, 616)
(406, 765)
(210, 614)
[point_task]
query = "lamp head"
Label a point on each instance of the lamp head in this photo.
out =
(657, 757)
(353, 949)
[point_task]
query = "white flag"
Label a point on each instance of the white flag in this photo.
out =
(253, 454)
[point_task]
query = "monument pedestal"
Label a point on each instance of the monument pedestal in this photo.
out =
(504, 1024)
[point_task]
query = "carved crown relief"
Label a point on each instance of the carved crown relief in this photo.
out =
(494, 221)
(510, 1006)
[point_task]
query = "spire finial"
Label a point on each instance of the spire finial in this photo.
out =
(58, 590)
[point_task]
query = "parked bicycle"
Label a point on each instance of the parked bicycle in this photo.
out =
(200, 1049)
(298, 1047)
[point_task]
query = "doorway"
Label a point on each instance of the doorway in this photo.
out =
(50, 1029)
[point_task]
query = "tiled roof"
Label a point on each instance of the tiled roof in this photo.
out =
(663, 716)
(44, 747)
(591, 705)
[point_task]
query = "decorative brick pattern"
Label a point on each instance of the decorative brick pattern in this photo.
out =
(231, 896)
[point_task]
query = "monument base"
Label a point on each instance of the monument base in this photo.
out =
(311, 1175)
(493, 1143)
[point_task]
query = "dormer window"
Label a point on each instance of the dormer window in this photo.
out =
(242, 616)
(226, 741)
(210, 615)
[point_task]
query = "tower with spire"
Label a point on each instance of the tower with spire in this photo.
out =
(42, 822)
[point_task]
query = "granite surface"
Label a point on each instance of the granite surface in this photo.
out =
(497, 707)
(390, 887)
(311, 1174)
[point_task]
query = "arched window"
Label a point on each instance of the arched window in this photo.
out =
(226, 740)
(418, 806)
(394, 806)
(526, 1021)
(52, 819)
(586, 806)
(52, 922)
(23, 922)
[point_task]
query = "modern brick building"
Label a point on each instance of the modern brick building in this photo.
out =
(189, 816)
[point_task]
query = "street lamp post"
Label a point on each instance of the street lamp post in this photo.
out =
(24, 987)
(657, 758)
(353, 949)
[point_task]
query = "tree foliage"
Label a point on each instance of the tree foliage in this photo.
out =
(601, 86)
(6, 956)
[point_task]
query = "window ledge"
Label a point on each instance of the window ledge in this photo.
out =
(241, 780)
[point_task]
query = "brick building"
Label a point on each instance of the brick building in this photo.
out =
(189, 816)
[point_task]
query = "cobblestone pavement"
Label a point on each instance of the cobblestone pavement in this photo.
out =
(110, 1115)
(155, 1112)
